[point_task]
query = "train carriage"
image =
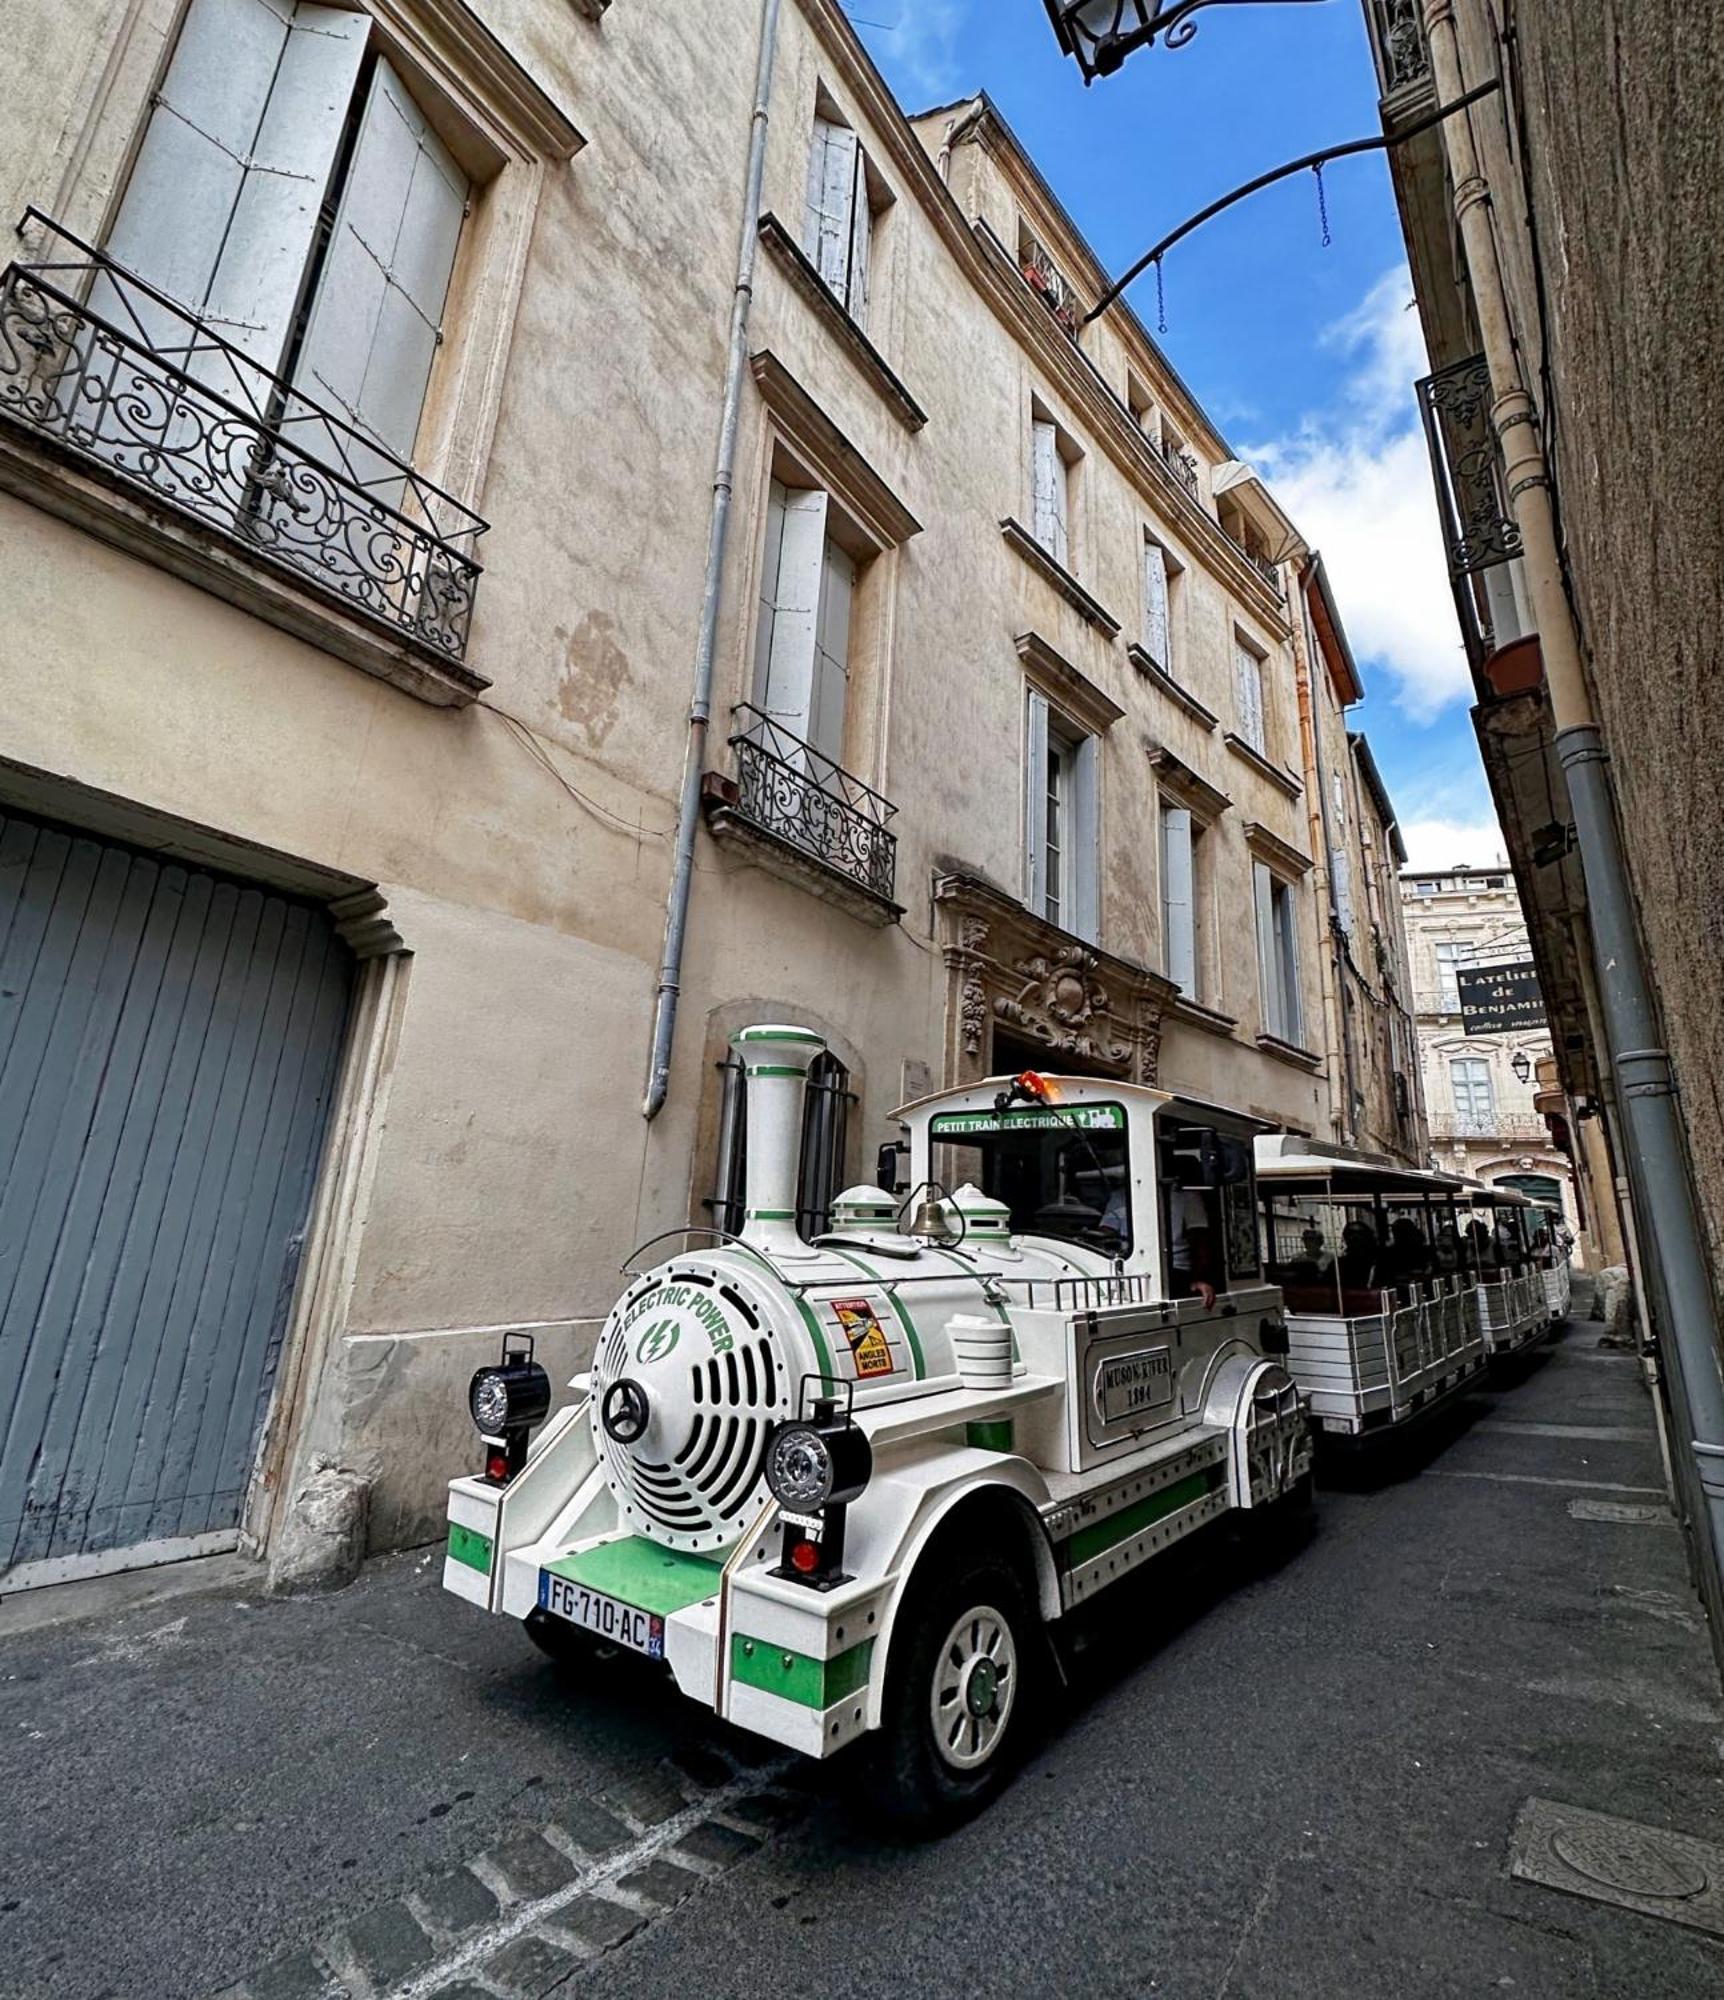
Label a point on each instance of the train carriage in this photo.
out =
(1379, 1284)
(1514, 1308)
(840, 1488)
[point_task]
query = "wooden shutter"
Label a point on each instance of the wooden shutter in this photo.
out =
(1248, 674)
(788, 695)
(378, 315)
(771, 557)
(1036, 801)
(1178, 899)
(1157, 636)
(1083, 839)
(861, 244)
(221, 210)
(832, 653)
(1049, 487)
(834, 170)
(1287, 963)
(1268, 972)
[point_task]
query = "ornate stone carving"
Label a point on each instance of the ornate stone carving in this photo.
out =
(1061, 1002)
(1006, 967)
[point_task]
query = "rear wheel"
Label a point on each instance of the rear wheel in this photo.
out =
(957, 1695)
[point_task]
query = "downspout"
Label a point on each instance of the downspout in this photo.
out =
(1645, 1078)
(706, 646)
(1317, 818)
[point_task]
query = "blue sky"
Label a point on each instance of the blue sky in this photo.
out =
(1304, 356)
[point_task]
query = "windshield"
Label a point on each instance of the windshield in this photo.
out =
(1062, 1171)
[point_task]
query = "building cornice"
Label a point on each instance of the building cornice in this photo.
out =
(878, 510)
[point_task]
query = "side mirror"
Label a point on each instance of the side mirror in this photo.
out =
(886, 1168)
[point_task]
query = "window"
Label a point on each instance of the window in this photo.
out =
(1426, 888)
(802, 642)
(1180, 836)
(1064, 1174)
(1050, 480)
(1158, 605)
(826, 1109)
(839, 232)
(1450, 958)
(1278, 956)
(1248, 689)
(290, 191)
(1062, 819)
(1475, 1094)
(1141, 405)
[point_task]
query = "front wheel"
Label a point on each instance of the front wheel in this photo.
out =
(956, 1710)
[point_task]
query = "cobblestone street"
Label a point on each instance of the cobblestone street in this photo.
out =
(405, 1800)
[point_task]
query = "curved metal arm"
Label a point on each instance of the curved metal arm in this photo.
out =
(1376, 145)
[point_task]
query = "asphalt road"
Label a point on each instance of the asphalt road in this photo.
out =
(1300, 1783)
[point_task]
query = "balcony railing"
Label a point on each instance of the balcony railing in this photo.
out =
(101, 365)
(1269, 571)
(1478, 524)
(1182, 465)
(798, 795)
(1398, 41)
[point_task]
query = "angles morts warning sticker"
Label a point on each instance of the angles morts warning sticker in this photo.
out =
(867, 1337)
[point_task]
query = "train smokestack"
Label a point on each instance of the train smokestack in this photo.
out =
(775, 1062)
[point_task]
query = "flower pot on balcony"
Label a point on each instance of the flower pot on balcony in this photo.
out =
(1517, 668)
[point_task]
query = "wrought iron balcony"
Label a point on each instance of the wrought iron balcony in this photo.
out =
(142, 393)
(1398, 42)
(1182, 465)
(1269, 571)
(797, 796)
(1478, 525)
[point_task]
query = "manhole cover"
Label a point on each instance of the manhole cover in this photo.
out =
(1631, 1859)
(1645, 1868)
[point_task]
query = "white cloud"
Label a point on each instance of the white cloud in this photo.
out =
(1356, 479)
(917, 48)
(1453, 843)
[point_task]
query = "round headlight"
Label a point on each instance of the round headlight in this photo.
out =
(490, 1401)
(799, 1469)
(512, 1397)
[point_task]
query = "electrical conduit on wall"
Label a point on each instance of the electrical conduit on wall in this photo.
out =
(723, 486)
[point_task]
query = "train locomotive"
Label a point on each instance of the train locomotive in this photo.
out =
(843, 1488)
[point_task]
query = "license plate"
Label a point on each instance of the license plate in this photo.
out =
(620, 1624)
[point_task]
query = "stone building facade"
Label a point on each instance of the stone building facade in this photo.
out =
(1559, 241)
(374, 635)
(1481, 1091)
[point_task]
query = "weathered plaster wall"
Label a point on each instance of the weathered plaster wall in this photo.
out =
(512, 1172)
(1627, 159)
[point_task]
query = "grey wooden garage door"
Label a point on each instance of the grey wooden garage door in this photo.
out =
(168, 1050)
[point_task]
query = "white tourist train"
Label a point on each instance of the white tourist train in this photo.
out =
(1381, 1282)
(841, 1488)
(1511, 1269)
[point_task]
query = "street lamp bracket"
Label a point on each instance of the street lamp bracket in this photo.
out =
(1100, 34)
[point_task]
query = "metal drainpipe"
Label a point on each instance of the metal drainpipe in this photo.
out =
(1645, 1078)
(1317, 818)
(723, 486)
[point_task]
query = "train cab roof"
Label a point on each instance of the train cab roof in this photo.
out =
(1290, 1163)
(1068, 1092)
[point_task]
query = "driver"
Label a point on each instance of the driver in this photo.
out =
(1190, 1245)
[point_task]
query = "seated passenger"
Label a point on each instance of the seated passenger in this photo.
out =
(1358, 1256)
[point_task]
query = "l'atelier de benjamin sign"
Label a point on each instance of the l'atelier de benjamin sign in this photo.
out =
(1501, 999)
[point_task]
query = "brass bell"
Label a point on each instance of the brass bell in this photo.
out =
(932, 1221)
